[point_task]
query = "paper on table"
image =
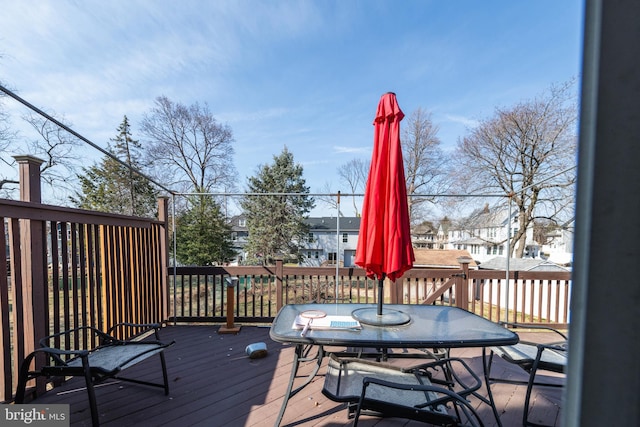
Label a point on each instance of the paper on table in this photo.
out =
(327, 322)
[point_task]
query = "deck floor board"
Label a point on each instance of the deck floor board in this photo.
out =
(214, 383)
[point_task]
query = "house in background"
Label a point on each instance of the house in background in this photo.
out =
(558, 247)
(424, 235)
(442, 233)
(239, 237)
(330, 241)
(484, 234)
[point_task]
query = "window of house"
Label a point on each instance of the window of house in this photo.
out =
(345, 237)
(500, 250)
(317, 254)
(310, 238)
(332, 258)
(242, 222)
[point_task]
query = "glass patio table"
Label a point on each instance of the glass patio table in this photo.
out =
(429, 326)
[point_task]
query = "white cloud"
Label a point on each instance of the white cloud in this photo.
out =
(466, 121)
(354, 150)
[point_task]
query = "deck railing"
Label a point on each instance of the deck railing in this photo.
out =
(70, 267)
(199, 294)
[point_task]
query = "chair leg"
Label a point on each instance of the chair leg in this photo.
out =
(88, 378)
(23, 378)
(165, 377)
(527, 399)
(356, 415)
(487, 362)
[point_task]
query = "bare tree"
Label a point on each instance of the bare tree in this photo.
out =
(425, 163)
(188, 147)
(527, 152)
(354, 175)
(57, 148)
(329, 197)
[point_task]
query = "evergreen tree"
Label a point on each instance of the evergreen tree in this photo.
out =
(203, 237)
(111, 187)
(276, 222)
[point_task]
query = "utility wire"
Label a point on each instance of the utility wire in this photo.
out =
(80, 137)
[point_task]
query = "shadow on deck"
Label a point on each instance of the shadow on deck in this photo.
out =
(214, 383)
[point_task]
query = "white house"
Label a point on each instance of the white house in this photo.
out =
(331, 240)
(558, 247)
(484, 234)
(239, 237)
(424, 235)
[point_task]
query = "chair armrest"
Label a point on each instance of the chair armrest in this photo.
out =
(56, 355)
(533, 326)
(550, 357)
(60, 352)
(136, 330)
(62, 357)
(45, 342)
(555, 346)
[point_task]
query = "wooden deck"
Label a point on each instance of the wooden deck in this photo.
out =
(214, 383)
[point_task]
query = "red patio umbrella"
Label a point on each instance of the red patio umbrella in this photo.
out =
(384, 243)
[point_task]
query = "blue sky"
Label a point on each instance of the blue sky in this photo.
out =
(303, 74)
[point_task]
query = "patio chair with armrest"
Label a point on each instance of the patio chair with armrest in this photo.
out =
(107, 360)
(532, 357)
(427, 392)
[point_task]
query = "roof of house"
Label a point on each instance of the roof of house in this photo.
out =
(496, 216)
(424, 228)
(440, 258)
(331, 223)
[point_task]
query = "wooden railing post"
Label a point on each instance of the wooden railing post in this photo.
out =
(163, 217)
(230, 328)
(279, 281)
(462, 284)
(34, 304)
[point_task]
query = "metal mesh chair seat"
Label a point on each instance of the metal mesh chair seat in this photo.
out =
(381, 389)
(119, 356)
(524, 355)
(106, 360)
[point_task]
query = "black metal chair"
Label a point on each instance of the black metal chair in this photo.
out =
(532, 357)
(431, 392)
(107, 360)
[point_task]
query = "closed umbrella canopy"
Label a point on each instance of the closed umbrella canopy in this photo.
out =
(384, 243)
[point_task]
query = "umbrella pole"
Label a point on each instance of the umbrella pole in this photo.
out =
(374, 316)
(380, 294)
